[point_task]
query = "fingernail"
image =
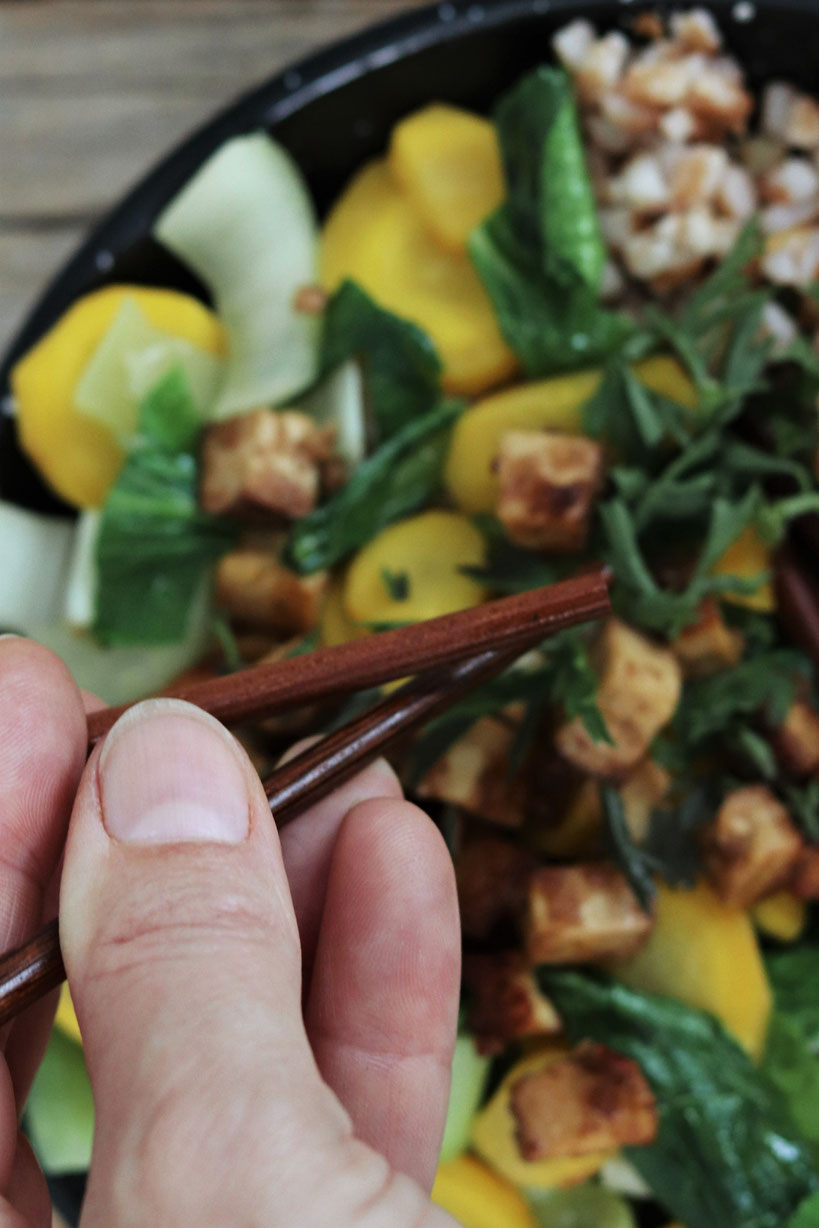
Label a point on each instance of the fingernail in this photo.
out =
(169, 773)
(9, 635)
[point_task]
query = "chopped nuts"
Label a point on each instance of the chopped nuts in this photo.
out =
(266, 460)
(582, 912)
(639, 691)
(751, 847)
(548, 483)
(593, 1100)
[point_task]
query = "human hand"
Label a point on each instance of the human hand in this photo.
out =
(268, 1024)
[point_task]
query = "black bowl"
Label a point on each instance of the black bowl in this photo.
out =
(336, 109)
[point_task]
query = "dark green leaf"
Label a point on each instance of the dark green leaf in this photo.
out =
(725, 1155)
(625, 854)
(400, 476)
(794, 976)
(671, 847)
(401, 365)
(153, 551)
(807, 1215)
(573, 683)
(766, 682)
(551, 203)
(168, 416)
(794, 1071)
(511, 569)
(396, 583)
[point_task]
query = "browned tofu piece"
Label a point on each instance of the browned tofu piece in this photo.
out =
(548, 483)
(751, 847)
(267, 460)
(639, 691)
(584, 912)
(641, 792)
(796, 741)
(492, 876)
(804, 881)
(709, 644)
(593, 1100)
(256, 589)
(474, 773)
(506, 1002)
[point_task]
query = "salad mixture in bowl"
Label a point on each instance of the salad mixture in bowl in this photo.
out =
(580, 331)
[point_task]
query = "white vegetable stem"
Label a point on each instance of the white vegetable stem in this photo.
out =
(245, 224)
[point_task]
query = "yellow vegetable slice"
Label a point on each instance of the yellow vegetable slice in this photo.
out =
(374, 236)
(448, 162)
(553, 404)
(705, 954)
(335, 626)
(746, 558)
(423, 557)
(493, 1137)
(77, 456)
(782, 916)
(479, 1198)
(66, 1019)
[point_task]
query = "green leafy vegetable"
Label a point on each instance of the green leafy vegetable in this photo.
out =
(794, 976)
(155, 544)
(396, 583)
(398, 477)
(512, 569)
(794, 1071)
(540, 256)
(808, 1214)
(766, 682)
(725, 1154)
(401, 364)
(573, 683)
(625, 854)
(59, 1116)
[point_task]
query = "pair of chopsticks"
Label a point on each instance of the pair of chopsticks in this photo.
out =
(448, 657)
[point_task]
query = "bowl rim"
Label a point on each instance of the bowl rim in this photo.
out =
(287, 91)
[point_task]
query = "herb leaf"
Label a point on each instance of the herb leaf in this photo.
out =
(155, 544)
(398, 477)
(396, 583)
(401, 365)
(625, 854)
(540, 256)
(794, 975)
(725, 1152)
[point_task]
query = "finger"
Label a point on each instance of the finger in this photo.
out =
(182, 952)
(308, 842)
(382, 1013)
(27, 1191)
(29, 1034)
(42, 751)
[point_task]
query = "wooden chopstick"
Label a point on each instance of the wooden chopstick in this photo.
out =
(35, 968)
(327, 672)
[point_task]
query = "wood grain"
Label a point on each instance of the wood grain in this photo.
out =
(93, 92)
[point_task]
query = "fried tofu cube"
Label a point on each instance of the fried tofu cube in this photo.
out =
(264, 461)
(548, 483)
(492, 877)
(796, 741)
(709, 644)
(639, 690)
(804, 882)
(507, 1004)
(751, 847)
(641, 792)
(593, 1100)
(474, 774)
(257, 590)
(578, 913)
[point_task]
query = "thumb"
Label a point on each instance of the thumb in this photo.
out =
(183, 955)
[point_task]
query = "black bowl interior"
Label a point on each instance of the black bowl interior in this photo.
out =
(336, 109)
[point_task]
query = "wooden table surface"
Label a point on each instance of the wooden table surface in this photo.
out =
(92, 92)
